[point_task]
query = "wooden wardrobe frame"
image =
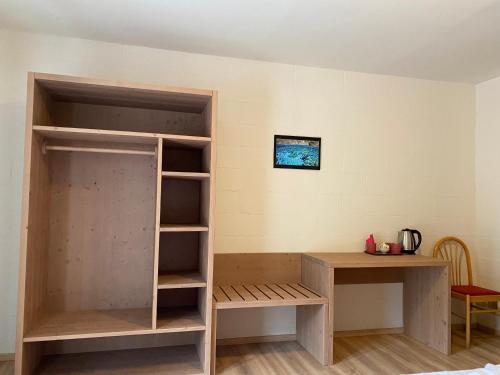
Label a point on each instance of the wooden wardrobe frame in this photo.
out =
(97, 232)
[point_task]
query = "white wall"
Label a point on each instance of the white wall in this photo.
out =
(486, 257)
(396, 152)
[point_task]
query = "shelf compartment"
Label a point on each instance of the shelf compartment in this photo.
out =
(179, 319)
(179, 252)
(91, 324)
(183, 203)
(178, 310)
(183, 158)
(179, 360)
(187, 175)
(183, 228)
(83, 105)
(176, 280)
(91, 229)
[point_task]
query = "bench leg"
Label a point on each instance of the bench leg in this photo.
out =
(312, 331)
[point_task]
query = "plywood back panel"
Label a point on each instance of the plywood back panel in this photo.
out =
(257, 268)
(101, 237)
(180, 201)
(178, 297)
(179, 251)
(119, 93)
(183, 159)
(92, 116)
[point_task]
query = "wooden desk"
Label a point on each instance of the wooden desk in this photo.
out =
(426, 289)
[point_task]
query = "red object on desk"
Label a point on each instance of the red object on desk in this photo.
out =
(370, 245)
(395, 248)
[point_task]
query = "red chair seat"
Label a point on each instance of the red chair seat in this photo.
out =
(473, 290)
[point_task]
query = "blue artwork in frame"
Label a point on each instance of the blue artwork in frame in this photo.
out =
(297, 152)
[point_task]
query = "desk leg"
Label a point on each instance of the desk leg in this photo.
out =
(319, 278)
(427, 306)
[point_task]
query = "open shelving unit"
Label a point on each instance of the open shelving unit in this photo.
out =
(117, 229)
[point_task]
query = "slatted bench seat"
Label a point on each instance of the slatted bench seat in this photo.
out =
(265, 295)
(270, 280)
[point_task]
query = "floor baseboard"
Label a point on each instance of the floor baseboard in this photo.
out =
(292, 337)
(256, 339)
(4, 357)
(369, 332)
(479, 327)
(488, 330)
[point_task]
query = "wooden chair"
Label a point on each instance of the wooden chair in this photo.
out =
(477, 300)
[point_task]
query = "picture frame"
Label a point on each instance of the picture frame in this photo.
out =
(297, 152)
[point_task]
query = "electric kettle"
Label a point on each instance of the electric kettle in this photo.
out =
(406, 238)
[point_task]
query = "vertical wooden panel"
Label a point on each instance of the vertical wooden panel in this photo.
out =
(213, 343)
(427, 306)
(43, 106)
(32, 354)
(312, 331)
(38, 233)
(33, 237)
(320, 278)
(208, 215)
(159, 159)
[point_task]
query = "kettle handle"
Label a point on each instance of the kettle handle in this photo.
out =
(419, 235)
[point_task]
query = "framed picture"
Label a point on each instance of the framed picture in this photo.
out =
(297, 152)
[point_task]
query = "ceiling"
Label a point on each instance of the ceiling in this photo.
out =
(453, 40)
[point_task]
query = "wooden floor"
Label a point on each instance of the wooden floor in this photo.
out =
(6, 368)
(363, 355)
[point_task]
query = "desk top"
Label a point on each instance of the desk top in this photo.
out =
(362, 260)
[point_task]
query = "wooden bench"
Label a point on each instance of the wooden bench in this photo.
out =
(271, 280)
(265, 295)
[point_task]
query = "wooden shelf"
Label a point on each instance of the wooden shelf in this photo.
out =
(116, 136)
(182, 228)
(179, 319)
(102, 150)
(82, 134)
(90, 324)
(174, 280)
(187, 175)
(179, 360)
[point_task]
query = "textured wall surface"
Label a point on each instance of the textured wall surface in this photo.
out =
(486, 254)
(397, 153)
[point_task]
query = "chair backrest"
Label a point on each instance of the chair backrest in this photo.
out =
(456, 251)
